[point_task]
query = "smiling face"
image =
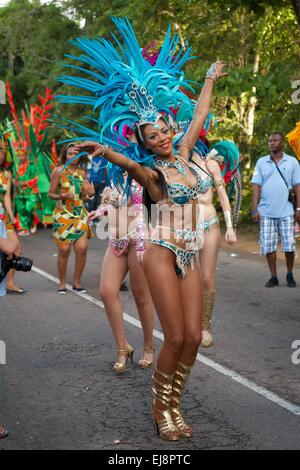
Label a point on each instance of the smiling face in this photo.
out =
(158, 139)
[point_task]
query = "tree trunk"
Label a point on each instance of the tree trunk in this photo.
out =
(296, 6)
(252, 102)
(11, 62)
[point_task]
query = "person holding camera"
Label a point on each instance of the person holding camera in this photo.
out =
(7, 214)
(276, 205)
(8, 248)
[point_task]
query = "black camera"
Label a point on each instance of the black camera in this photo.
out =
(19, 264)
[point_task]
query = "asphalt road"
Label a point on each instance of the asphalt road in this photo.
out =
(57, 389)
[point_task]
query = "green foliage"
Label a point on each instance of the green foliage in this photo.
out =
(258, 39)
(33, 39)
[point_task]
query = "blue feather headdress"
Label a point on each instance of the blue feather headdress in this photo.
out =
(124, 91)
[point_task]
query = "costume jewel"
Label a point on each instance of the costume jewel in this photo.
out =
(212, 72)
(177, 164)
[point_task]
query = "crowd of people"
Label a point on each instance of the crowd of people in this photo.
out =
(152, 176)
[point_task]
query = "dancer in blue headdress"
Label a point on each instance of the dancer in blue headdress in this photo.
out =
(224, 154)
(222, 160)
(128, 91)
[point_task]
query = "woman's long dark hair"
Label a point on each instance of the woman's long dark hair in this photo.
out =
(148, 203)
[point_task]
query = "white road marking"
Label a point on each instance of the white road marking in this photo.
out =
(291, 407)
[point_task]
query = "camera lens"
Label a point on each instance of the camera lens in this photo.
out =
(22, 264)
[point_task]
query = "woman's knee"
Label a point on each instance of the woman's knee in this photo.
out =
(108, 293)
(64, 251)
(141, 298)
(175, 343)
(80, 250)
(193, 341)
(208, 284)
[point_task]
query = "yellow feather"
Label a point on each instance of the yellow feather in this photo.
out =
(294, 140)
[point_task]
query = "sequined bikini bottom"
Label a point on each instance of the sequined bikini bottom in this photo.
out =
(207, 224)
(184, 258)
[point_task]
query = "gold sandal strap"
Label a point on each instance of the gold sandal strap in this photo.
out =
(208, 306)
(163, 395)
(185, 367)
(165, 376)
(166, 425)
(161, 390)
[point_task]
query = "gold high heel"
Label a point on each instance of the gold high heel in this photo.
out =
(165, 427)
(143, 363)
(208, 306)
(119, 367)
(179, 382)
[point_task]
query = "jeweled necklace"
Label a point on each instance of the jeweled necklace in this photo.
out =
(177, 164)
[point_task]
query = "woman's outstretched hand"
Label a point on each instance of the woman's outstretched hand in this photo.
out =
(100, 212)
(93, 148)
(216, 70)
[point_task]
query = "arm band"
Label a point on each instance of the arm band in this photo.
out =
(228, 219)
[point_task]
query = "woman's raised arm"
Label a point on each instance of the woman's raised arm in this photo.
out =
(202, 109)
(143, 175)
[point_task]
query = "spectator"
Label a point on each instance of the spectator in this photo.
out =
(271, 207)
(7, 247)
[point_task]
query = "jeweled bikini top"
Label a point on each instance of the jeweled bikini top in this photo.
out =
(179, 193)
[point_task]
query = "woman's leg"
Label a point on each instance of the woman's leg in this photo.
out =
(142, 297)
(191, 295)
(30, 208)
(114, 269)
(62, 263)
(20, 202)
(80, 248)
(10, 278)
(208, 258)
(159, 268)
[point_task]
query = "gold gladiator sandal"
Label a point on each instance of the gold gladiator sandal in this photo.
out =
(179, 382)
(208, 306)
(144, 363)
(165, 426)
(119, 367)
